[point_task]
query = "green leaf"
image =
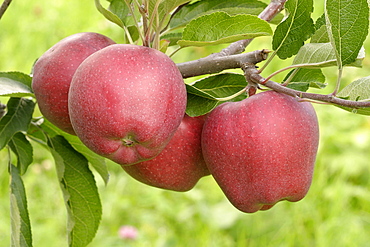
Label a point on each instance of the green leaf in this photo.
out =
(205, 7)
(305, 78)
(15, 84)
(347, 22)
(167, 6)
(207, 93)
(22, 148)
(320, 36)
(321, 33)
(198, 105)
(291, 33)
(97, 161)
(18, 76)
(133, 32)
(359, 90)
(20, 222)
(320, 55)
(79, 191)
(222, 85)
(172, 38)
(299, 86)
(17, 118)
(321, 21)
(109, 15)
(219, 27)
(159, 12)
(120, 9)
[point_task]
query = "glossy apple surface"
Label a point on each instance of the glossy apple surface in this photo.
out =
(126, 102)
(262, 150)
(180, 165)
(53, 71)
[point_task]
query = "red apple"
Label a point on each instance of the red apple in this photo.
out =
(262, 150)
(53, 71)
(126, 102)
(180, 165)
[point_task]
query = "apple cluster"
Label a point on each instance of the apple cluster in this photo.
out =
(127, 103)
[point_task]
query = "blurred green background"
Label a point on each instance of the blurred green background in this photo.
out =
(335, 212)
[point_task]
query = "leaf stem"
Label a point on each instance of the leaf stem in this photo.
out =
(232, 96)
(268, 61)
(128, 35)
(291, 76)
(281, 70)
(339, 78)
(153, 30)
(175, 51)
(134, 17)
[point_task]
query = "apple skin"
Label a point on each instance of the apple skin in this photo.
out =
(180, 165)
(53, 71)
(261, 150)
(126, 102)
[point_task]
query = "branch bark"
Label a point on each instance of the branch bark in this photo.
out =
(4, 7)
(211, 65)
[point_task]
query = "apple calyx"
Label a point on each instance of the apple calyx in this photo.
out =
(128, 141)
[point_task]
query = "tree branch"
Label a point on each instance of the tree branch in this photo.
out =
(252, 75)
(211, 65)
(4, 7)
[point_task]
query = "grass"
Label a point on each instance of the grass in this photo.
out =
(335, 212)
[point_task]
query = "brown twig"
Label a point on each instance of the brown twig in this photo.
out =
(4, 7)
(252, 75)
(211, 65)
